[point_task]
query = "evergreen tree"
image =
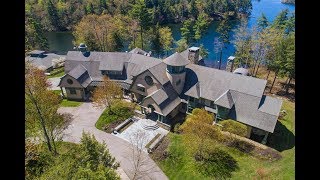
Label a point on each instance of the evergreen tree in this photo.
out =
(263, 21)
(34, 35)
(53, 16)
(156, 44)
(193, 9)
(140, 12)
(187, 30)
(281, 19)
(223, 29)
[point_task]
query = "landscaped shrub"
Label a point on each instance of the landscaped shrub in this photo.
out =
(282, 114)
(217, 163)
(234, 127)
(241, 145)
(111, 117)
(267, 154)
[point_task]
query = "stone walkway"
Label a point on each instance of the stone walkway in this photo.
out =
(85, 117)
(144, 128)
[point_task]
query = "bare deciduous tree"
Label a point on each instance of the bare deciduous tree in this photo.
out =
(105, 94)
(142, 166)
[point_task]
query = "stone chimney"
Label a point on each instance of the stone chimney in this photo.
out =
(193, 55)
(84, 49)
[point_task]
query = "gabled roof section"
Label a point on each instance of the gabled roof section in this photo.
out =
(225, 100)
(159, 72)
(81, 74)
(194, 91)
(77, 71)
(43, 61)
(138, 51)
(270, 105)
(246, 110)
(112, 65)
(176, 60)
(159, 96)
(214, 82)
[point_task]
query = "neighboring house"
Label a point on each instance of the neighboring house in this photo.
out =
(163, 88)
(45, 61)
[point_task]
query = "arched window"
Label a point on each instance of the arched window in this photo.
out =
(148, 80)
(69, 81)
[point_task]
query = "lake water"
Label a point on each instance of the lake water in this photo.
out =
(61, 42)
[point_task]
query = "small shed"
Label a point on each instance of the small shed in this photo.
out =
(241, 71)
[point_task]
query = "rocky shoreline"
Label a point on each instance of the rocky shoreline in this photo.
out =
(288, 1)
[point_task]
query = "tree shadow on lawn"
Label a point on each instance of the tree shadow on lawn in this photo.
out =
(282, 138)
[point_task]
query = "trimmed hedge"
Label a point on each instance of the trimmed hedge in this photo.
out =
(234, 127)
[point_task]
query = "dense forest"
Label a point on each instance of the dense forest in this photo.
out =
(61, 15)
(108, 25)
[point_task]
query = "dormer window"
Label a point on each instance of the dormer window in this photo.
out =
(141, 88)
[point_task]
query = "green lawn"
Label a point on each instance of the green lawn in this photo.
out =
(67, 103)
(180, 165)
(58, 72)
(118, 112)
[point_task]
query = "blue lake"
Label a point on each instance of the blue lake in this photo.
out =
(61, 42)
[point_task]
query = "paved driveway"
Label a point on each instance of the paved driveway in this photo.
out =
(85, 117)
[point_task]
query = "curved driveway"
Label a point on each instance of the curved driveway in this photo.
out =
(85, 117)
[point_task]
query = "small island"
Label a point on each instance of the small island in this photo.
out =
(288, 1)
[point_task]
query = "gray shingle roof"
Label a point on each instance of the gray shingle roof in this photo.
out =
(270, 105)
(112, 65)
(138, 51)
(176, 60)
(77, 71)
(45, 60)
(96, 61)
(81, 74)
(159, 96)
(243, 94)
(159, 72)
(171, 105)
(185, 54)
(36, 52)
(172, 101)
(225, 100)
(246, 110)
(213, 82)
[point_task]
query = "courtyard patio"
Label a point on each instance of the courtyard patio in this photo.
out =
(141, 132)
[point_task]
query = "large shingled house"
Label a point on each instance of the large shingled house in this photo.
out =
(163, 88)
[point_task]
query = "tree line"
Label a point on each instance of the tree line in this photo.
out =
(139, 22)
(269, 44)
(60, 15)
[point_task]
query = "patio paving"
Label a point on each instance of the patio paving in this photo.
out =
(146, 135)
